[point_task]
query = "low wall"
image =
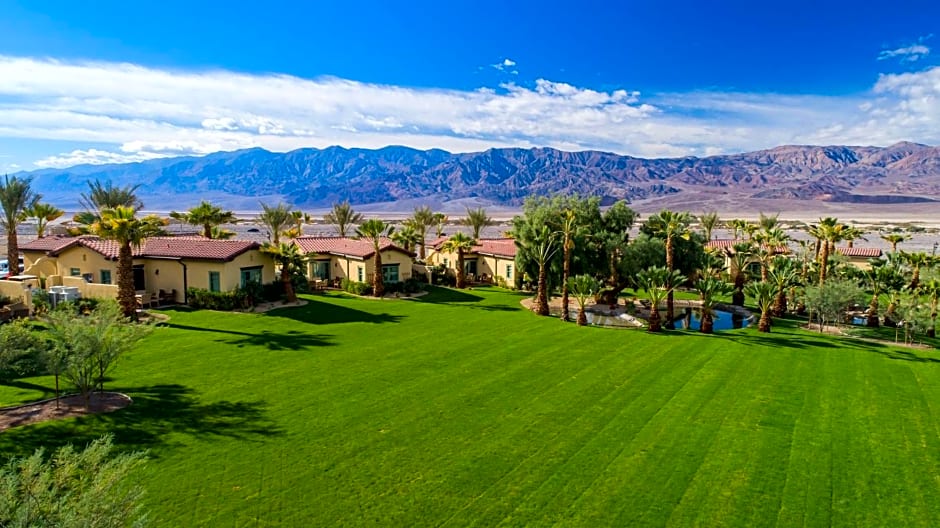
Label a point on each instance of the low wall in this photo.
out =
(87, 289)
(17, 292)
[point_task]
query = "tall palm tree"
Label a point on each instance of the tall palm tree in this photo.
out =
(708, 221)
(122, 225)
(658, 281)
(829, 231)
(782, 274)
(768, 222)
(670, 225)
(769, 241)
(763, 293)
(440, 221)
(709, 289)
(542, 247)
(582, 287)
(477, 220)
(882, 275)
(43, 213)
(407, 237)
(109, 196)
(422, 220)
(460, 244)
(931, 288)
(894, 239)
(916, 261)
(207, 216)
(374, 230)
(16, 197)
(277, 219)
(343, 217)
(289, 257)
(737, 226)
(740, 256)
(569, 229)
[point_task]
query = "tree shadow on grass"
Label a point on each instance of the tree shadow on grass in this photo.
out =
(47, 392)
(464, 299)
(157, 412)
(289, 340)
(318, 313)
(803, 340)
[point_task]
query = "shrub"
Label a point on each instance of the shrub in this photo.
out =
(356, 288)
(412, 285)
(225, 301)
(20, 350)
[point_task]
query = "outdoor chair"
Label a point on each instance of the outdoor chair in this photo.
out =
(143, 299)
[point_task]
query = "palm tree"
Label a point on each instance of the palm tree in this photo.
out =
(582, 287)
(709, 289)
(106, 195)
(708, 221)
(768, 222)
(289, 257)
(670, 225)
(894, 239)
(569, 229)
(916, 261)
(851, 233)
(277, 219)
(422, 219)
(763, 293)
(459, 243)
(542, 247)
(740, 257)
(658, 283)
(121, 225)
(737, 227)
(207, 216)
(711, 265)
(880, 276)
(782, 274)
(769, 240)
(343, 217)
(407, 237)
(374, 230)
(440, 220)
(16, 197)
(931, 288)
(477, 220)
(829, 231)
(43, 213)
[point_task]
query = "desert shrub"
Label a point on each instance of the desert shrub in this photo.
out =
(355, 287)
(20, 350)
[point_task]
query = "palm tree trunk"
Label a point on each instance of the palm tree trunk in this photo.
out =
(654, 319)
(207, 230)
(670, 300)
(127, 298)
(708, 323)
(823, 263)
(764, 324)
(461, 276)
(288, 283)
(737, 298)
(378, 284)
(541, 297)
(780, 303)
(818, 248)
(13, 251)
(582, 316)
(872, 320)
(566, 269)
(915, 277)
(763, 271)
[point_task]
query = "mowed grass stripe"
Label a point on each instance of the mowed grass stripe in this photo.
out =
(462, 409)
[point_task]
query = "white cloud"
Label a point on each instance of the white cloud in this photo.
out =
(916, 51)
(146, 113)
(506, 66)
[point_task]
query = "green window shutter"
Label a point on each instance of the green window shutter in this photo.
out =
(361, 278)
(508, 271)
(105, 276)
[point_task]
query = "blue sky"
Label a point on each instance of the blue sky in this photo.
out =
(127, 81)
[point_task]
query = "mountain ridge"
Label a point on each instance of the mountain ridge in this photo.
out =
(308, 177)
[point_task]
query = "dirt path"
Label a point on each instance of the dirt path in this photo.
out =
(73, 405)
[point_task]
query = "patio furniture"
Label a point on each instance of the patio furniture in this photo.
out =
(143, 299)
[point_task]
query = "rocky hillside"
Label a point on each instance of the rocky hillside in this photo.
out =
(901, 173)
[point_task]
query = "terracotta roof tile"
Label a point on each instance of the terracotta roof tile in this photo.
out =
(190, 247)
(727, 243)
(498, 247)
(344, 246)
(859, 252)
(49, 243)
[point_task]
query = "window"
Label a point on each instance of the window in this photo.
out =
(105, 276)
(508, 271)
(390, 273)
(214, 281)
(75, 272)
(360, 273)
(445, 262)
(252, 274)
(320, 269)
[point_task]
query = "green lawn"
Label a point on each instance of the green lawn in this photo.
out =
(462, 409)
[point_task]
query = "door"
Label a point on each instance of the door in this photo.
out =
(139, 284)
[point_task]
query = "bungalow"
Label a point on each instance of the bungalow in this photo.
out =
(491, 260)
(858, 256)
(337, 258)
(170, 264)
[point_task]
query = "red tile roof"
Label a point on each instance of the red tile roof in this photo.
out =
(497, 247)
(727, 243)
(344, 246)
(859, 252)
(187, 247)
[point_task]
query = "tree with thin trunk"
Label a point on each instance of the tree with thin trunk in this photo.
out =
(290, 260)
(763, 293)
(582, 287)
(207, 216)
(670, 225)
(769, 241)
(894, 239)
(16, 197)
(541, 246)
(915, 261)
(375, 231)
(343, 217)
(440, 222)
(782, 273)
(122, 225)
(422, 220)
(477, 220)
(709, 289)
(931, 289)
(708, 221)
(658, 282)
(568, 230)
(460, 244)
(43, 213)
(829, 231)
(881, 275)
(277, 219)
(109, 196)
(737, 227)
(740, 256)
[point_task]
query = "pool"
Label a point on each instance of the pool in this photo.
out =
(689, 319)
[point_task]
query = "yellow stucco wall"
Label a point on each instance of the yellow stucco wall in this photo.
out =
(86, 261)
(16, 291)
(38, 264)
(490, 265)
(91, 289)
(348, 267)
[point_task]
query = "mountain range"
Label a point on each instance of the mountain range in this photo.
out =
(395, 178)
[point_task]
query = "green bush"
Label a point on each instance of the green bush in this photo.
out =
(355, 287)
(20, 350)
(412, 285)
(225, 301)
